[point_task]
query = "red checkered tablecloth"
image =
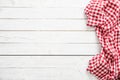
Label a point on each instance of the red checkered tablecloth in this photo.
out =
(104, 16)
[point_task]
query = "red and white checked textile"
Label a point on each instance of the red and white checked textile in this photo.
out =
(104, 16)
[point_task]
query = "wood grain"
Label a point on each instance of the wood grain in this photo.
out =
(43, 3)
(49, 36)
(44, 24)
(48, 49)
(45, 68)
(42, 13)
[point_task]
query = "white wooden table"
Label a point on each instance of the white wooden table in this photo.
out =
(45, 40)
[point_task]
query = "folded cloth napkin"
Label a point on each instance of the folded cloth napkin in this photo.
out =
(104, 16)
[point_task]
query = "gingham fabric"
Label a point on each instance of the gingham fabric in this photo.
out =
(104, 16)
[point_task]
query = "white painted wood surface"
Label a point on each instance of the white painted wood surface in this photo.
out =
(43, 3)
(44, 24)
(43, 13)
(45, 68)
(48, 49)
(45, 40)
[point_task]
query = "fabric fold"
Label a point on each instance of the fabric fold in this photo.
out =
(104, 16)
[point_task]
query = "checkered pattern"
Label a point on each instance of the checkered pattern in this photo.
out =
(104, 16)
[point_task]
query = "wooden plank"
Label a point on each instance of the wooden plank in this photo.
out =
(6, 3)
(43, 3)
(51, 3)
(6, 24)
(49, 36)
(43, 61)
(49, 49)
(45, 68)
(45, 74)
(42, 13)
